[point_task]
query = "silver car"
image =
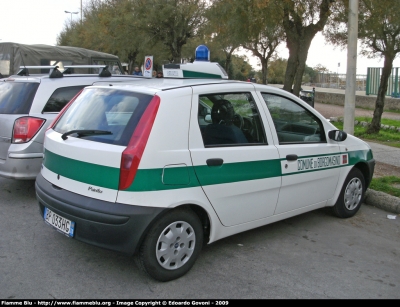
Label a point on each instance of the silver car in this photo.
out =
(28, 104)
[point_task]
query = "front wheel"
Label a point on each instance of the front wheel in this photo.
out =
(172, 245)
(351, 196)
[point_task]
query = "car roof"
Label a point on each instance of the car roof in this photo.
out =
(155, 85)
(168, 83)
(164, 84)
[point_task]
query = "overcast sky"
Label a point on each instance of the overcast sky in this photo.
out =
(40, 21)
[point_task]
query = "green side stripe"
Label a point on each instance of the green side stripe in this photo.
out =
(234, 172)
(98, 175)
(194, 74)
(363, 155)
(354, 158)
(151, 179)
(178, 177)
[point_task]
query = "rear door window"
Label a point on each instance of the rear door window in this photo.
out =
(16, 97)
(230, 119)
(113, 111)
(61, 97)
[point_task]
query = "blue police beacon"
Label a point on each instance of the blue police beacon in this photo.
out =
(202, 53)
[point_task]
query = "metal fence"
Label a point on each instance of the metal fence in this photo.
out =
(374, 78)
(334, 80)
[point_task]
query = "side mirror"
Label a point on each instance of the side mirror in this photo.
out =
(207, 118)
(337, 135)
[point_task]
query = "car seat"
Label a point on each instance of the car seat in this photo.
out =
(222, 131)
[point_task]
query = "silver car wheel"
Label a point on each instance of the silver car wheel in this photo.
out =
(175, 245)
(353, 194)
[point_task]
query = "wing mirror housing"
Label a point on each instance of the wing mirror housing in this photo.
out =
(337, 135)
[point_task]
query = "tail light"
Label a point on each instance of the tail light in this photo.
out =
(25, 128)
(63, 110)
(132, 155)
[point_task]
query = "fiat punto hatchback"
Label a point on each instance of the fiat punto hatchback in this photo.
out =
(158, 169)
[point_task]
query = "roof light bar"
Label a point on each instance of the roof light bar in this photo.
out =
(208, 70)
(200, 68)
(202, 53)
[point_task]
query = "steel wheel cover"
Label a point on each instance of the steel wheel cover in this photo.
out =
(175, 245)
(353, 193)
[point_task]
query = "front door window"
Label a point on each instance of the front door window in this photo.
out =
(293, 123)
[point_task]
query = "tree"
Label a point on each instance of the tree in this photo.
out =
(171, 22)
(120, 27)
(321, 68)
(263, 31)
(277, 68)
(107, 27)
(250, 24)
(309, 74)
(379, 35)
(302, 19)
(241, 69)
(223, 29)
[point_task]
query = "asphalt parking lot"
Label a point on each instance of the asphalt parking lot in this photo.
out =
(311, 256)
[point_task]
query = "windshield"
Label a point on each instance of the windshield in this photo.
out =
(16, 97)
(114, 111)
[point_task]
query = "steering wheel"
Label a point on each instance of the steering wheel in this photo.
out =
(238, 120)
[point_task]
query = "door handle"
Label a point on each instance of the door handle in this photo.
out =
(291, 157)
(214, 162)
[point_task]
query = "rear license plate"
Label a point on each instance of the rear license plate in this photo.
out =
(62, 224)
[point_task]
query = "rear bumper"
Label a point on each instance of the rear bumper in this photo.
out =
(113, 226)
(21, 166)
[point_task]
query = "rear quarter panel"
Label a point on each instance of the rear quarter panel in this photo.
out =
(165, 177)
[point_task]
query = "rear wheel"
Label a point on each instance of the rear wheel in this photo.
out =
(172, 245)
(351, 196)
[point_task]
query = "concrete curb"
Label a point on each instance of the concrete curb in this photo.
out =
(382, 200)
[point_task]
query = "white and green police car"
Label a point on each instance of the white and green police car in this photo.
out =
(158, 168)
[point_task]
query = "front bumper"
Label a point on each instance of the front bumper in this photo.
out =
(371, 169)
(113, 226)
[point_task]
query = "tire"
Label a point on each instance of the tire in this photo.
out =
(351, 196)
(171, 246)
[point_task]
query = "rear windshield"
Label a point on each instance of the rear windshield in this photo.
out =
(16, 97)
(113, 111)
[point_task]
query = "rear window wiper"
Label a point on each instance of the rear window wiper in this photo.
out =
(81, 133)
